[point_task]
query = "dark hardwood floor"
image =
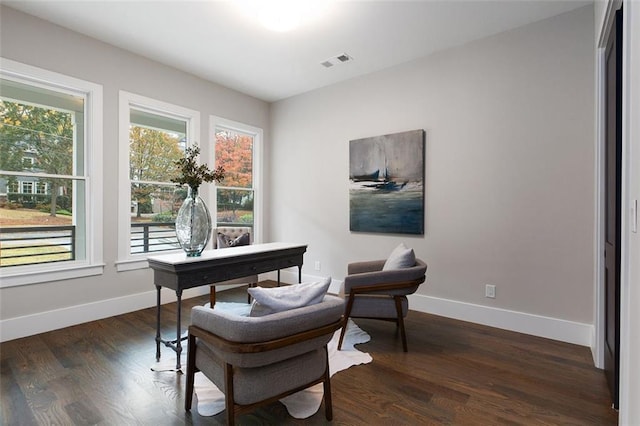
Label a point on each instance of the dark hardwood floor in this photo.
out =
(455, 373)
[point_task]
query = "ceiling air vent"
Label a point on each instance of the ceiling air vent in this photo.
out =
(336, 60)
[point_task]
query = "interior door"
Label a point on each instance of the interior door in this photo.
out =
(613, 186)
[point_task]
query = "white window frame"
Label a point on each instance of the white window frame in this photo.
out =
(258, 178)
(30, 160)
(26, 187)
(127, 261)
(42, 187)
(93, 264)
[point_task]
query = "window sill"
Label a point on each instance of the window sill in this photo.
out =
(43, 274)
(131, 264)
(139, 261)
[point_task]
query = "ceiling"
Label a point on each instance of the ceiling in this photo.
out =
(215, 41)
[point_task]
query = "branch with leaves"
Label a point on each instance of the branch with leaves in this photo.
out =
(193, 174)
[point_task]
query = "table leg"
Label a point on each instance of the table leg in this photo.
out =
(278, 277)
(212, 296)
(299, 274)
(178, 330)
(158, 338)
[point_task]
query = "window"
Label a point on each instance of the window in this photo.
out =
(237, 148)
(153, 135)
(41, 187)
(50, 148)
(27, 187)
(27, 162)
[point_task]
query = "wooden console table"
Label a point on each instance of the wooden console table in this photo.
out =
(179, 272)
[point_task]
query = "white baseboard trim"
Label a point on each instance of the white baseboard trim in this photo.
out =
(547, 327)
(536, 325)
(28, 325)
(291, 277)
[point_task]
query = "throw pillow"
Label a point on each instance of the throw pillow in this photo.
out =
(277, 299)
(400, 257)
(242, 240)
(223, 240)
(226, 241)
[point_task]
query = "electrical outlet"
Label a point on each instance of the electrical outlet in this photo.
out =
(490, 291)
(317, 266)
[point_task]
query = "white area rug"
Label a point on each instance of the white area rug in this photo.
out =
(169, 363)
(210, 400)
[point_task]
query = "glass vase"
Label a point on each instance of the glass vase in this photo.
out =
(193, 224)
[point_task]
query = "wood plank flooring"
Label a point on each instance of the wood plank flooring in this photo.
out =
(455, 373)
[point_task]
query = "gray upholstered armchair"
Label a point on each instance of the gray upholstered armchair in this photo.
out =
(232, 236)
(259, 360)
(372, 292)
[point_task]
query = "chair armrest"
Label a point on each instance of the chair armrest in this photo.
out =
(383, 279)
(252, 348)
(243, 329)
(367, 266)
(257, 341)
(399, 288)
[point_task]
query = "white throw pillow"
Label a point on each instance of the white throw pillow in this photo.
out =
(400, 257)
(269, 300)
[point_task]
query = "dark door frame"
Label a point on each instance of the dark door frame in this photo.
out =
(613, 204)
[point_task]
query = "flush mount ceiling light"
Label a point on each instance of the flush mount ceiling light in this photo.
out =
(283, 15)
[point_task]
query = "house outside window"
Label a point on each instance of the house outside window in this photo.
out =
(153, 136)
(50, 147)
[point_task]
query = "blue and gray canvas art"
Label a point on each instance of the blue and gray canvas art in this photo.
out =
(386, 176)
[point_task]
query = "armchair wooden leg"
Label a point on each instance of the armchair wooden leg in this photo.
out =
(328, 407)
(398, 300)
(345, 321)
(229, 403)
(191, 371)
(212, 296)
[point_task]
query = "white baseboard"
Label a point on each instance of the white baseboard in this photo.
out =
(550, 328)
(28, 325)
(536, 325)
(291, 277)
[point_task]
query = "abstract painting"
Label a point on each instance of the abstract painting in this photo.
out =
(386, 183)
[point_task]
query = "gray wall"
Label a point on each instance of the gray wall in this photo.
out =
(509, 167)
(509, 162)
(36, 42)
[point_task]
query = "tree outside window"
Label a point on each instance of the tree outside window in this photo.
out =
(41, 141)
(156, 142)
(235, 194)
